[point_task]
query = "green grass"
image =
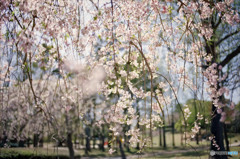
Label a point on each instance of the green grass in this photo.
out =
(169, 152)
(232, 139)
(177, 139)
(30, 152)
(188, 155)
(62, 152)
(33, 151)
(160, 153)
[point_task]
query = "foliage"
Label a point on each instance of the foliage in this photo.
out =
(202, 107)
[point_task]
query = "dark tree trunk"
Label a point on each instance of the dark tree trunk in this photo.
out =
(160, 136)
(28, 141)
(87, 148)
(70, 145)
(181, 136)
(226, 136)
(216, 125)
(94, 138)
(126, 138)
(69, 138)
(197, 139)
(217, 131)
(109, 139)
(41, 137)
(127, 144)
(35, 140)
(121, 149)
(94, 128)
(195, 109)
(102, 142)
(164, 135)
(103, 138)
(41, 142)
(138, 126)
(88, 135)
(173, 139)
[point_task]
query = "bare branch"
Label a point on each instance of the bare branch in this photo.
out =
(230, 57)
(226, 37)
(94, 4)
(16, 18)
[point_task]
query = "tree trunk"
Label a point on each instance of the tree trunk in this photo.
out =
(195, 109)
(88, 135)
(121, 149)
(181, 136)
(164, 135)
(226, 136)
(41, 137)
(216, 125)
(138, 126)
(173, 139)
(217, 131)
(160, 137)
(126, 139)
(94, 138)
(35, 140)
(103, 138)
(69, 138)
(94, 128)
(102, 142)
(70, 145)
(87, 149)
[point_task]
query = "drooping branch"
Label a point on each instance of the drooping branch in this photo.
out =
(151, 76)
(145, 59)
(95, 5)
(174, 95)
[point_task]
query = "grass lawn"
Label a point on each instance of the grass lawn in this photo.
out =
(233, 138)
(155, 153)
(180, 152)
(62, 152)
(177, 139)
(188, 155)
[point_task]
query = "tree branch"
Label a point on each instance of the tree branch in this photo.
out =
(16, 18)
(227, 36)
(230, 57)
(94, 4)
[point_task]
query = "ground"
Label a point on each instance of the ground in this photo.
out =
(191, 151)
